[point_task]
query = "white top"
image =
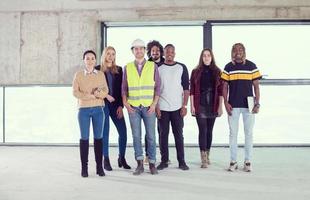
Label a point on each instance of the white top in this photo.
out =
(173, 80)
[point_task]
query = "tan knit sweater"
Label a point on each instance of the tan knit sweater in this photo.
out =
(83, 86)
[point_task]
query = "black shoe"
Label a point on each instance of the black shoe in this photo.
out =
(107, 165)
(122, 163)
(153, 169)
(162, 166)
(140, 169)
(183, 166)
(84, 172)
(100, 171)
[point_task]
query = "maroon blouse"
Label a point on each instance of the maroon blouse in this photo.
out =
(195, 88)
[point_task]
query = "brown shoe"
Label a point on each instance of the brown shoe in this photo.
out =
(153, 169)
(208, 157)
(140, 169)
(203, 156)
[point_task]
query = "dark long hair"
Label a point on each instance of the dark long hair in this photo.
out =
(213, 65)
(154, 43)
(216, 72)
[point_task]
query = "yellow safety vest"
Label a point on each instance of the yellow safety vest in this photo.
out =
(140, 88)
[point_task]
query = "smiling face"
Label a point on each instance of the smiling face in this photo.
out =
(238, 53)
(169, 54)
(155, 53)
(90, 61)
(138, 52)
(110, 57)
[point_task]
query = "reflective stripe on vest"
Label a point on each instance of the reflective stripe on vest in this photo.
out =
(140, 88)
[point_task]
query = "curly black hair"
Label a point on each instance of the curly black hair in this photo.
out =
(154, 43)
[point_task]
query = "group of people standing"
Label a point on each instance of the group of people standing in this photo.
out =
(160, 87)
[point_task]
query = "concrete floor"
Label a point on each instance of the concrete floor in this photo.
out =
(48, 173)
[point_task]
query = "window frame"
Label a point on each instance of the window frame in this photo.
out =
(265, 81)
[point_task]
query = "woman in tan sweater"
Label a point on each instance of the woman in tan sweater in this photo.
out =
(90, 88)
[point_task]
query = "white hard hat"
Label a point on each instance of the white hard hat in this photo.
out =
(137, 43)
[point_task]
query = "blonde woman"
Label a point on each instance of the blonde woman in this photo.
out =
(113, 108)
(90, 89)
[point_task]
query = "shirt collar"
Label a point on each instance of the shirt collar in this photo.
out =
(142, 64)
(88, 73)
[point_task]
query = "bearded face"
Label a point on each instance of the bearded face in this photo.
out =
(238, 53)
(155, 53)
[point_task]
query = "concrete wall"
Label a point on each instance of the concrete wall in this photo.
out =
(41, 41)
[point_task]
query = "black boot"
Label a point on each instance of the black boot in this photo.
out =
(107, 165)
(98, 156)
(122, 162)
(84, 146)
(140, 168)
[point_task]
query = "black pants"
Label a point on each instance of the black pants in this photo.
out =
(177, 128)
(205, 126)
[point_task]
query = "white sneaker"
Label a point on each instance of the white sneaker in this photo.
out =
(232, 166)
(247, 166)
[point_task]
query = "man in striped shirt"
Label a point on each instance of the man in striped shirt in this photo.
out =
(240, 77)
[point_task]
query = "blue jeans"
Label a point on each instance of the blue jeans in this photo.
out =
(96, 115)
(248, 123)
(110, 111)
(149, 123)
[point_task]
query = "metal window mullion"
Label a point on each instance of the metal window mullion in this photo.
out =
(3, 115)
(103, 36)
(207, 35)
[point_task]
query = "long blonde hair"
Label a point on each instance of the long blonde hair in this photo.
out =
(103, 64)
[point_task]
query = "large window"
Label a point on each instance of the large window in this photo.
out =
(41, 115)
(48, 114)
(188, 41)
(269, 45)
(280, 51)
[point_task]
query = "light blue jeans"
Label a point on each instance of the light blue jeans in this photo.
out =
(248, 124)
(149, 124)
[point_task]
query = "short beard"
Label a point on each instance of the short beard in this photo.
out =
(155, 59)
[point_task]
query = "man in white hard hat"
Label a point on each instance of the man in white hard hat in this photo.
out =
(140, 92)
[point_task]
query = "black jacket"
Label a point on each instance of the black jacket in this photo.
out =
(162, 60)
(117, 86)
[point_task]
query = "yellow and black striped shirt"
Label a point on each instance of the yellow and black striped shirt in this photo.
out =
(240, 79)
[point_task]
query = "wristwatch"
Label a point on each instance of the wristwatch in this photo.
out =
(257, 105)
(184, 106)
